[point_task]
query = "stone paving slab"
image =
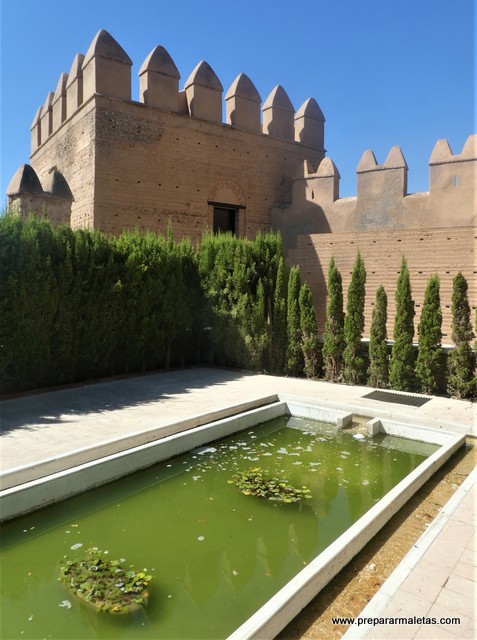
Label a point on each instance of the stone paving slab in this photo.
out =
(39, 426)
(428, 583)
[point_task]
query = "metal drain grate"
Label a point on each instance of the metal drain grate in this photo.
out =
(398, 398)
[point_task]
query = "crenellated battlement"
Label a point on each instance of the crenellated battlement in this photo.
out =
(106, 70)
(321, 184)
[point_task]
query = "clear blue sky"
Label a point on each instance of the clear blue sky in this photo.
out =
(384, 72)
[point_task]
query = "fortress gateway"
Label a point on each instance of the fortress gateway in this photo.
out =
(102, 161)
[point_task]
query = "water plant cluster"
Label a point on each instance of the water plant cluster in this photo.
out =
(259, 482)
(104, 583)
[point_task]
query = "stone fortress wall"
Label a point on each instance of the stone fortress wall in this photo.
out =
(435, 230)
(168, 157)
(103, 161)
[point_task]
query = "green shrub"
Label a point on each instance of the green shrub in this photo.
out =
(401, 367)
(333, 337)
(378, 371)
(354, 365)
(429, 355)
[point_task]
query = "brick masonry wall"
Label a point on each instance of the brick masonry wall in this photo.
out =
(153, 166)
(443, 251)
(71, 151)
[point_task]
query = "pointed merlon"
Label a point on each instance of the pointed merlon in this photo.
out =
(328, 169)
(278, 99)
(61, 86)
(159, 61)
(204, 76)
(441, 153)
(75, 71)
(310, 109)
(105, 46)
(48, 102)
(395, 159)
(25, 180)
(469, 152)
(367, 162)
(243, 87)
(37, 117)
(56, 184)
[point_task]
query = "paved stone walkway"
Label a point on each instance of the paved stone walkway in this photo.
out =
(436, 580)
(44, 426)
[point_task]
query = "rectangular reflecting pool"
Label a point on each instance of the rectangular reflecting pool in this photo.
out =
(216, 555)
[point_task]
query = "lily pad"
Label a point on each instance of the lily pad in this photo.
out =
(259, 482)
(103, 584)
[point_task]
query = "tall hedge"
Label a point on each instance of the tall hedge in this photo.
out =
(308, 333)
(294, 365)
(401, 367)
(279, 340)
(378, 371)
(461, 382)
(354, 364)
(333, 337)
(429, 357)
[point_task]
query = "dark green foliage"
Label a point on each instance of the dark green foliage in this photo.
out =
(354, 365)
(461, 382)
(294, 353)
(378, 371)
(279, 340)
(238, 279)
(429, 358)
(333, 337)
(260, 483)
(309, 333)
(81, 304)
(401, 368)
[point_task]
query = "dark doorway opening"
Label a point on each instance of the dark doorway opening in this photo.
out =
(225, 220)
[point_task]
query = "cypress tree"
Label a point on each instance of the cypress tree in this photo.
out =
(309, 333)
(294, 353)
(279, 320)
(333, 337)
(401, 368)
(378, 370)
(460, 382)
(354, 366)
(430, 335)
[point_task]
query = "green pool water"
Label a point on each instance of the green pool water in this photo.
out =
(215, 554)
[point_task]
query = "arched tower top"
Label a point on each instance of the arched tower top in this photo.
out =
(278, 115)
(327, 169)
(243, 87)
(310, 109)
(203, 92)
(106, 69)
(105, 46)
(25, 180)
(76, 69)
(278, 99)
(159, 61)
(56, 184)
(242, 104)
(204, 76)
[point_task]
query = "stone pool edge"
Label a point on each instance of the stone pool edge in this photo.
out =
(290, 600)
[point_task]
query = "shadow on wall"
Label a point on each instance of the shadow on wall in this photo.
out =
(305, 222)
